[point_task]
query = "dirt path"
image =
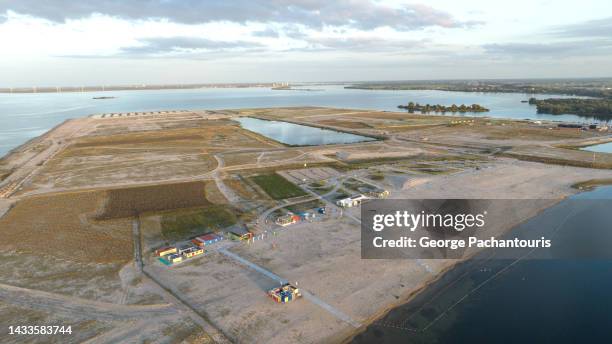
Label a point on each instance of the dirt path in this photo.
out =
(73, 306)
(306, 294)
(149, 276)
(226, 191)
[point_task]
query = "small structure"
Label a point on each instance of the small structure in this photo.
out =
(285, 293)
(378, 193)
(238, 232)
(352, 201)
(208, 239)
(174, 258)
(184, 248)
(160, 252)
(197, 242)
(192, 252)
(239, 236)
(287, 219)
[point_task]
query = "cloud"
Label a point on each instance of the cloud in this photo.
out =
(373, 44)
(589, 38)
(550, 50)
(599, 28)
(183, 46)
(269, 32)
(360, 14)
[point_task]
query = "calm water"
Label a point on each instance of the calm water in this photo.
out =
(298, 135)
(601, 148)
(533, 301)
(24, 116)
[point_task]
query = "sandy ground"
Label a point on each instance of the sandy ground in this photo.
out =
(325, 260)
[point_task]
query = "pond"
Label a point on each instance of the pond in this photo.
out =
(600, 148)
(297, 134)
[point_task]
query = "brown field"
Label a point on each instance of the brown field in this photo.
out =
(345, 124)
(242, 188)
(145, 156)
(63, 226)
(560, 156)
(236, 159)
(134, 139)
(136, 200)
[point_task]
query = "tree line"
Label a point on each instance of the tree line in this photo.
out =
(427, 108)
(597, 108)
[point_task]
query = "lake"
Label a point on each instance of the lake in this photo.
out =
(601, 148)
(298, 135)
(25, 116)
(557, 300)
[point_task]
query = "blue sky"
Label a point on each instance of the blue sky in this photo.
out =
(63, 42)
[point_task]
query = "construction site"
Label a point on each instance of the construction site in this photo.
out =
(184, 226)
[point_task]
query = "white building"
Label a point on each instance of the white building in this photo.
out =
(352, 201)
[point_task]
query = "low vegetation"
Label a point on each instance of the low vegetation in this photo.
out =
(61, 225)
(301, 207)
(131, 201)
(591, 88)
(183, 224)
(597, 108)
(277, 187)
(4, 174)
(592, 183)
(427, 108)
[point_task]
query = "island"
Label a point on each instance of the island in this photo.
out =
(573, 87)
(427, 108)
(596, 108)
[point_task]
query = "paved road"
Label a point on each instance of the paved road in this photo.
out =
(306, 294)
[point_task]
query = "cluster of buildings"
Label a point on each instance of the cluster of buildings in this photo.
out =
(194, 247)
(175, 254)
(172, 254)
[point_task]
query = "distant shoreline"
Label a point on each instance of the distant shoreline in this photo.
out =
(76, 89)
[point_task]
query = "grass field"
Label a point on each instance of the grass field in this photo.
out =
(183, 224)
(277, 187)
(300, 207)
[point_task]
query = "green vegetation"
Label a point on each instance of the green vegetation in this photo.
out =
(300, 207)
(277, 187)
(320, 187)
(592, 183)
(597, 108)
(4, 174)
(586, 87)
(412, 107)
(376, 176)
(183, 224)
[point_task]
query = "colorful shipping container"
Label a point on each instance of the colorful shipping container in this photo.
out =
(285, 293)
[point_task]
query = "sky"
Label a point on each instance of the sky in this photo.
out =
(114, 42)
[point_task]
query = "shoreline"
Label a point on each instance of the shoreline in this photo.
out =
(447, 268)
